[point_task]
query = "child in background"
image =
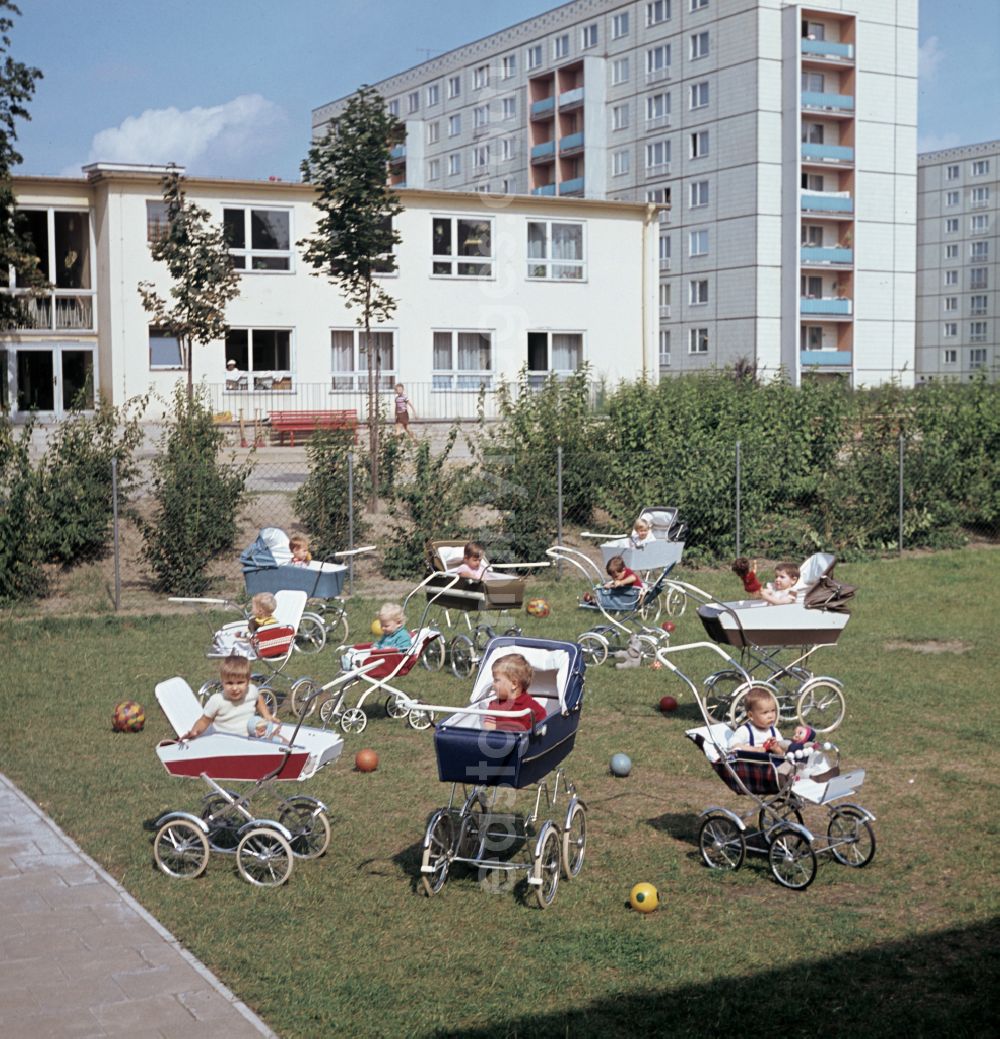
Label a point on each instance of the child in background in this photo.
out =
(391, 620)
(642, 532)
(231, 709)
(473, 565)
(403, 407)
(262, 607)
(746, 570)
(512, 675)
(781, 592)
(298, 544)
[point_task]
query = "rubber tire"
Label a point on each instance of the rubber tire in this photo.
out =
(264, 858)
(181, 849)
(716, 840)
(574, 841)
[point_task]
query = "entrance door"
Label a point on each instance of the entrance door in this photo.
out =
(50, 380)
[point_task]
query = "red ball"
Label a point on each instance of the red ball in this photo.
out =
(668, 626)
(366, 760)
(667, 704)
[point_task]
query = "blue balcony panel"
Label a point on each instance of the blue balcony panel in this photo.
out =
(819, 202)
(398, 152)
(825, 358)
(540, 151)
(825, 254)
(836, 102)
(571, 187)
(544, 189)
(571, 97)
(544, 106)
(571, 142)
(828, 152)
(836, 307)
(828, 49)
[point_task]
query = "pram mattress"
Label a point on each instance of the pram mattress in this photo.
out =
(317, 580)
(752, 622)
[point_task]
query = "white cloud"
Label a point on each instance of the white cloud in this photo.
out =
(930, 58)
(209, 141)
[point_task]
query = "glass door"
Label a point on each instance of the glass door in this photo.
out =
(50, 380)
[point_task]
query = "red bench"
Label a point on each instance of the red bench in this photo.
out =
(292, 422)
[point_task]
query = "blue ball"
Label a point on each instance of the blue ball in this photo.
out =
(621, 764)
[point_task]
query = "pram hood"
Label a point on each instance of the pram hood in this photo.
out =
(557, 667)
(269, 549)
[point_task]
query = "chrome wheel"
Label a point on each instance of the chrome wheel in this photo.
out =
(594, 648)
(181, 849)
(432, 657)
(310, 636)
(353, 720)
(852, 839)
(437, 851)
(791, 858)
(224, 821)
(308, 825)
(721, 843)
(546, 868)
(264, 858)
(463, 656)
(302, 697)
(821, 704)
(574, 842)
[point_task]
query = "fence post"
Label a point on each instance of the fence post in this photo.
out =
(901, 455)
(350, 519)
(739, 474)
(559, 507)
(115, 538)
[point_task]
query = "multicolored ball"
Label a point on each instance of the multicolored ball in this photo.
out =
(537, 608)
(128, 717)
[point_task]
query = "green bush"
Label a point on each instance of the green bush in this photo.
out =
(22, 519)
(196, 499)
(322, 502)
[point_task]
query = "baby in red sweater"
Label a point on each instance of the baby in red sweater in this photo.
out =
(512, 675)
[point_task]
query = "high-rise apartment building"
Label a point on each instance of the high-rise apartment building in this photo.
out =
(783, 136)
(957, 297)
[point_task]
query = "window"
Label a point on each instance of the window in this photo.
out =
(951, 198)
(61, 241)
(508, 66)
(620, 163)
(699, 144)
(980, 223)
(698, 97)
(664, 252)
(393, 108)
(534, 56)
(950, 329)
(619, 25)
(481, 77)
(951, 252)
(588, 36)
(434, 169)
(811, 236)
(698, 5)
(698, 243)
(699, 45)
(433, 132)
(658, 11)
(658, 63)
(951, 356)
(508, 186)
(658, 157)
(259, 239)
(811, 337)
(506, 149)
(454, 164)
(980, 167)
(665, 295)
(463, 247)
(813, 83)
(664, 347)
(950, 303)
(555, 250)
(977, 356)
(699, 194)
(979, 197)
(463, 360)
(658, 110)
(951, 225)
(619, 117)
(698, 292)
(560, 46)
(481, 156)
(164, 349)
(265, 351)
(698, 341)
(811, 286)
(480, 116)
(977, 305)
(978, 277)
(812, 133)
(812, 181)
(454, 86)
(413, 101)
(952, 173)
(156, 220)
(979, 251)
(349, 358)
(977, 331)
(560, 352)
(508, 108)
(951, 277)
(433, 94)
(619, 71)
(455, 124)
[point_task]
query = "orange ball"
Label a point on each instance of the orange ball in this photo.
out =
(667, 704)
(366, 760)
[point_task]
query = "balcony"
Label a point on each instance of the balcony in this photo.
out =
(572, 142)
(661, 169)
(571, 98)
(840, 103)
(658, 75)
(813, 255)
(52, 312)
(827, 153)
(828, 49)
(825, 358)
(658, 122)
(821, 202)
(571, 187)
(664, 310)
(543, 108)
(829, 306)
(544, 189)
(397, 153)
(543, 152)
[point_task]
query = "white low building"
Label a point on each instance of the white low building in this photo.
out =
(485, 286)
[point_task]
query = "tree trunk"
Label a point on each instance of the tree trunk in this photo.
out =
(373, 415)
(186, 346)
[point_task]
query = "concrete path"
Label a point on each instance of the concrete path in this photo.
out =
(80, 958)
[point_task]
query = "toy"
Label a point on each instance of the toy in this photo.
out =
(667, 703)
(537, 608)
(644, 897)
(621, 765)
(128, 717)
(377, 628)
(668, 626)
(366, 760)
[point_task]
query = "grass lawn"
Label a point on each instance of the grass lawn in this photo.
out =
(350, 947)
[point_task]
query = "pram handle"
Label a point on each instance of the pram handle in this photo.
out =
(418, 705)
(214, 602)
(590, 534)
(515, 566)
(354, 551)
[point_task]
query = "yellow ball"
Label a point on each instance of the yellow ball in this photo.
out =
(644, 897)
(377, 628)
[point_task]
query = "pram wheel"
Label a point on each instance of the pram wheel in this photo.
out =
(433, 655)
(771, 817)
(647, 648)
(463, 656)
(852, 839)
(306, 821)
(181, 849)
(437, 849)
(674, 602)
(353, 720)
(821, 704)
(310, 637)
(545, 870)
(720, 689)
(224, 822)
(650, 613)
(594, 648)
(791, 858)
(330, 710)
(419, 719)
(574, 842)
(738, 710)
(302, 697)
(721, 843)
(395, 706)
(264, 858)
(213, 685)
(270, 698)
(472, 839)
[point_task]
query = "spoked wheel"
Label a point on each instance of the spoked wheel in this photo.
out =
(648, 646)
(738, 710)
(209, 687)
(472, 835)
(721, 843)
(308, 825)
(546, 868)
(720, 690)
(310, 637)
(650, 613)
(513, 632)
(419, 719)
(331, 710)
(270, 698)
(463, 656)
(334, 618)
(395, 706)
(353, 720)
(594, 648)
(224, 822)
(181, 849)
(264, 857)
(432, 657)
(437, 851)
(674, 602)
(574, 842)
(821, 704)
(852, 839)
(791, 858)
(302, 697)
(772, 816)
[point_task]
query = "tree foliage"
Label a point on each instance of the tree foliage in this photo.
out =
(196, 254)
(324, 501)
(22, 539)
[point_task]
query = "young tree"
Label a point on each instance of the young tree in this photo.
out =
(204, 280)
(17, 87)
(354, 235)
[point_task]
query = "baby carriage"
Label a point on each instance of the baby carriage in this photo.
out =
(265, 849)
(624, 620)
(776, 644)
(661, 551)
(479, 827)
(783, 791)
(375, 670)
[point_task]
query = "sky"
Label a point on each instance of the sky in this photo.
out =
(226, 87)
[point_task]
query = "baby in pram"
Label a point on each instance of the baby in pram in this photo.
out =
(512, 675)
(239, 708)
(391, 622)
(235, 637)
(621, 592)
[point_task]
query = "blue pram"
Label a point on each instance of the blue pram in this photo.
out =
(478, 826)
